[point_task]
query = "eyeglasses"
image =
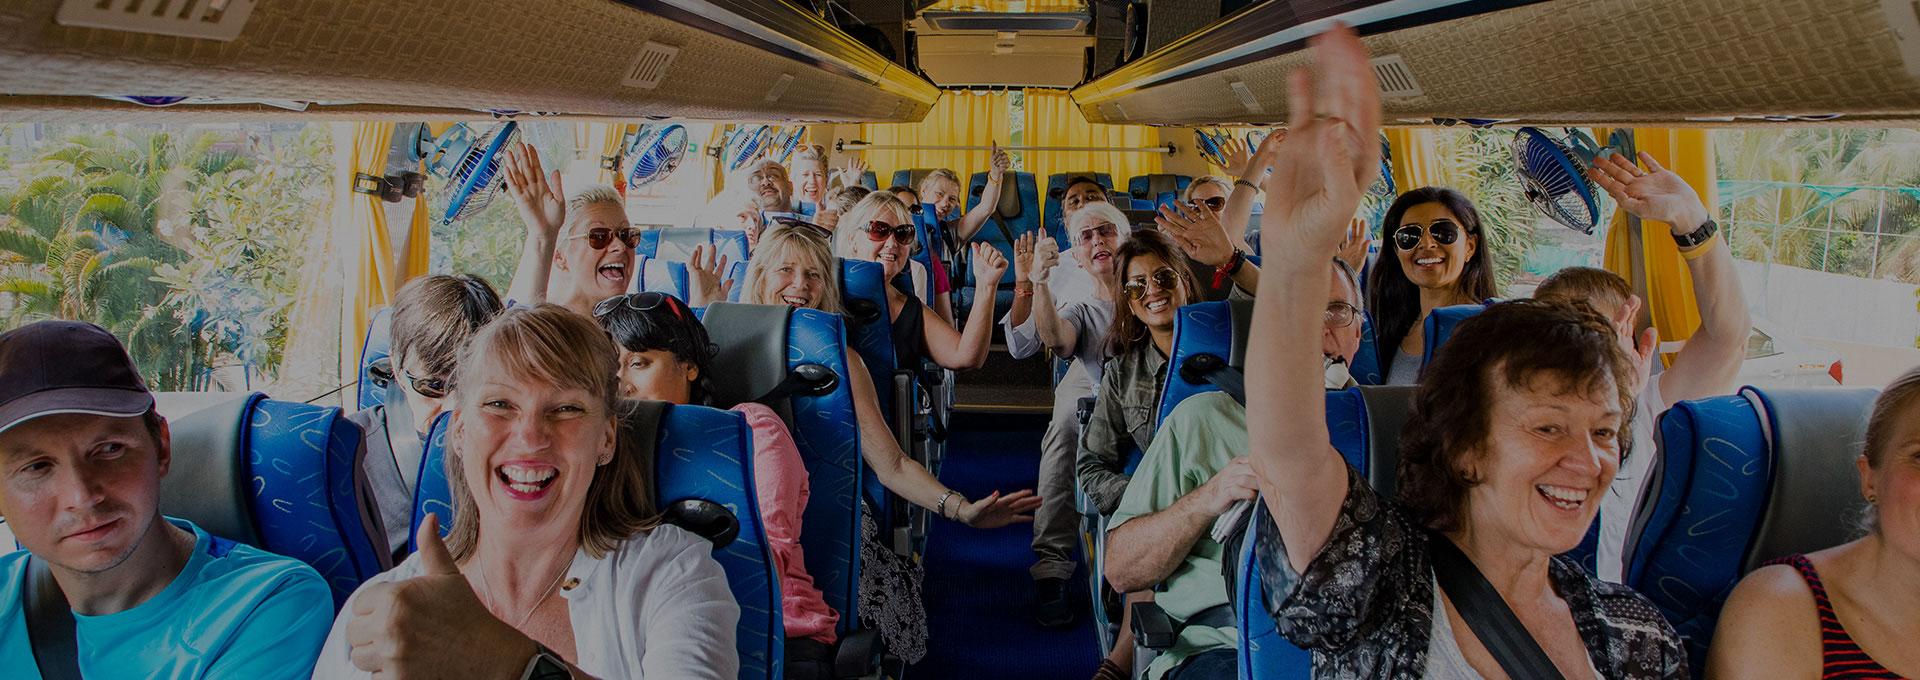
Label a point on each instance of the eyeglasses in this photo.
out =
(598, 237)
(1341, 314)
(644, 301)
(1100, 230)
(1216, 204)
(1444, 232)
(878, 230)
(1163, 278)
(431, 388)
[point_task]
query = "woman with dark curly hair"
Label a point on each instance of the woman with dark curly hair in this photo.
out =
(1514, 437)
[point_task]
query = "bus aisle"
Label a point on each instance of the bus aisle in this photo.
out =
(978, 591)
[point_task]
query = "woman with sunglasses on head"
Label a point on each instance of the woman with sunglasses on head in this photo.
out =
(1152, 282)
(665, 356)
(879, 229)
(1438, 261)
(433, 316)
(579, 249)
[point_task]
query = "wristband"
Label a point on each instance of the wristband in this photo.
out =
(1242, 181)
(1228, 268)
(1023, 292)
(1701, 250)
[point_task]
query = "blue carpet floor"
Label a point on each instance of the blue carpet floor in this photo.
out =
(978, 592)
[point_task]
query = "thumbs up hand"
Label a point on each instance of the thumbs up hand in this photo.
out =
(433, 625)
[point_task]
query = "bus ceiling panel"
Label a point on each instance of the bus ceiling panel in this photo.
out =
(723, 59)
(968, 60)
(1698, 62)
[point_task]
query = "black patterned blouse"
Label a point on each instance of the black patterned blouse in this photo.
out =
(1364, 607)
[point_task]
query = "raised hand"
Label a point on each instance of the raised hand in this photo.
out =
(1654, 194)
(432, 625)
(850, 175)
(1023, 256)
(996, 510)
(1353, 251)
(988, 263)
(1199, 233)
(707, 276)
(540, 198)
(1046, 254)
(1001, 163)
(1332, 154)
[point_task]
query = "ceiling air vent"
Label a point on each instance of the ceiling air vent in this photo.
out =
(208, 19)
(650, 66)
(779, 88)
(1396, 80)
(1247, 100)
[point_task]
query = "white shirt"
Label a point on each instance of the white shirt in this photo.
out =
(657, 607)
(1616, 508)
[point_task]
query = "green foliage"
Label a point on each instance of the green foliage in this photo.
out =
(186, 249)
(1841, 186)
(1478, 164)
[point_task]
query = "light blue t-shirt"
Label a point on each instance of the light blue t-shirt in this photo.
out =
(234, 611)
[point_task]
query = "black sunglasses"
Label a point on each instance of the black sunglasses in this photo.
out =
(1164, 278)
(598, 237)
(431, 388)
(1444, 232)
(879, 230)
(644, 301)
(1216, 204)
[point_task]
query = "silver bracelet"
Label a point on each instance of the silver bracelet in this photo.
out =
(941, 507)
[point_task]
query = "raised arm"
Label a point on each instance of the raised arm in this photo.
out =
(976, 218)
(910, 480)
(1205, 239)
(1053, 331)
(542, 203)
(1239, 210)
(967, 348)
(1022, 283)
(1710, 361)
(1318, 176)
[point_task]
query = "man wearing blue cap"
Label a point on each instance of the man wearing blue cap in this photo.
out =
(106, 586)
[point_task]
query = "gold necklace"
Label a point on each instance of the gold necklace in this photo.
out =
(486, 585)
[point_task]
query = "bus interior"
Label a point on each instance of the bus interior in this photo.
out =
(237, 189)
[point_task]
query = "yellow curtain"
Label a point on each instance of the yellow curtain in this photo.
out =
(1416, 158)
(361, 224)
(610, 138)
(958, 119)
(1669, 286)
(1054, 120)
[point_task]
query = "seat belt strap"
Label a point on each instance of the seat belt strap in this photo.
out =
(1487, 613)
(49, 624)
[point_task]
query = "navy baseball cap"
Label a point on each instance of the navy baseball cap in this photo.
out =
(55, 367)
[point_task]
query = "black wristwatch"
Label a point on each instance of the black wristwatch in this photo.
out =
(1697, 236)
(546, 665)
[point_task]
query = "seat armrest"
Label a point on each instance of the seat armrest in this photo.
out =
(856, 654)
(1152, 628)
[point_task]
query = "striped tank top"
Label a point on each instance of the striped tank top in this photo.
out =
(1840, 656)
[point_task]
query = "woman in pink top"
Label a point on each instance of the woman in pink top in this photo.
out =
(664, 353)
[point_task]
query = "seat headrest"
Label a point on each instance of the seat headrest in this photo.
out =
(1387, 409)
(751, 352)
(208, 482)
(1815, 434)
(1011, 201)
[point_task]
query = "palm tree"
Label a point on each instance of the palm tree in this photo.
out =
(1817, 171)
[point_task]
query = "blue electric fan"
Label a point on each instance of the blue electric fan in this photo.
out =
(744, 144)
(784, 142)
(1209, 143)
(656, 153)
(471, 166)
(1553, 172)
